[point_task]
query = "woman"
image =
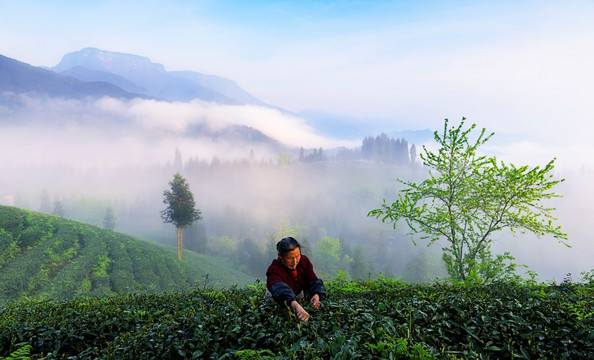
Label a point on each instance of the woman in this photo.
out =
(292, 273)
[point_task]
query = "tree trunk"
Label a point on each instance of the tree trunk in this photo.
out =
(181, 242)
(178, 244)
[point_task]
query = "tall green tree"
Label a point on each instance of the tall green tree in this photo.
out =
(467, 197)
(181, 208)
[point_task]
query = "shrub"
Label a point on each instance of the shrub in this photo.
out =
(383, 318)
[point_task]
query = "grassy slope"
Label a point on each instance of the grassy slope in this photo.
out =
(48, 256)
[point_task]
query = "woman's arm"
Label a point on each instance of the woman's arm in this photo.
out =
(301, 313)
(317, 287)
(282, 293)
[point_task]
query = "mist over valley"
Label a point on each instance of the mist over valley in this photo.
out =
(256, 170)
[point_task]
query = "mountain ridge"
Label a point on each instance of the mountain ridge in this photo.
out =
(97, 73)
(17, 77)
(154, 78)
(89, 75)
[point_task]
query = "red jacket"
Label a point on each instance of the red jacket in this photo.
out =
(283, 286)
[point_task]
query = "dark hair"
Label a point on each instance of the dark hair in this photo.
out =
(287, 244)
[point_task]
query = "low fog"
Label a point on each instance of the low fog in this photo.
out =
(89, 155)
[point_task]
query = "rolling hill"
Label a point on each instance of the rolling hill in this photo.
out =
(46, 256)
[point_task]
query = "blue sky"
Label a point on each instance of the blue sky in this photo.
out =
(515, 67)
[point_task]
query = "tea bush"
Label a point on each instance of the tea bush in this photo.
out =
(373, 319)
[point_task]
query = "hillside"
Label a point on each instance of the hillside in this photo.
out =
(45, 256)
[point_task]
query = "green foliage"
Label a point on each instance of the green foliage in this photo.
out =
(249, 354)
(8, 248)
(47, 257)
(588, 276)
(22, 352)
(181, 207)
(466, 198)
(371, 319)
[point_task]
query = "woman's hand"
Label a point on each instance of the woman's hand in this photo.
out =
(315, 301)
(301, 313)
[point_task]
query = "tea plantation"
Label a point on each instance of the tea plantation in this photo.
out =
(74, 291)
(374, 319)
(46, 256)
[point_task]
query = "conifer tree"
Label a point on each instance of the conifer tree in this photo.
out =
(181, 208)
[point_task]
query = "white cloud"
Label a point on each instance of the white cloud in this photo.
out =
(113, 132)
(177, 117)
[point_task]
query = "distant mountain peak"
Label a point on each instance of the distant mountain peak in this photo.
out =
(114, 62)
(136, 73)
(17, 77)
